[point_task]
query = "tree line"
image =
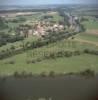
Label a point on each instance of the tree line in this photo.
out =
(7, 38)
(87, 73)
(51, 38)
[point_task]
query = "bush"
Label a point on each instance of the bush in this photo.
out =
(52, 55)
(24, 74)
(52, 74)
(43, 74)
(16, 74)
(94, 52)
(30, 74)
(60, 54)
(11, 62)
(68, 54)
(12, 47)
(87, 72)
(33, 61)
(38, 60)
(77, 53)
(86, 50)
(28, 61)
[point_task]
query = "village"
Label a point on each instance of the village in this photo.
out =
(43, 27)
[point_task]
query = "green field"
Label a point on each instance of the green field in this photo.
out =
(58, 65)
(90, 24)
(72, 64)
(89, 37)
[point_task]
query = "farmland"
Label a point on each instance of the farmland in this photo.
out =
(59, 65)
(91, 23)
(49, 52)
(32, 59)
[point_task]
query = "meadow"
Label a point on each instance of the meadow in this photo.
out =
(88, 37)
(91, 23)
(58, 65)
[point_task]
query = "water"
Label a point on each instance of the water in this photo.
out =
(51, 88)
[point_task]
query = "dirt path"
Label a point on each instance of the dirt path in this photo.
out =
(86, 41)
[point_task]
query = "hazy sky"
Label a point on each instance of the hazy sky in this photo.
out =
(38, 2)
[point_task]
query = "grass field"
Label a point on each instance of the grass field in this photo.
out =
(72, 64)
(89, 37)
(59, 65)
(90, 24)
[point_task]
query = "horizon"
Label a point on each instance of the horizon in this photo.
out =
(43, 2)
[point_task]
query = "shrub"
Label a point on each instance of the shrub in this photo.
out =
(60, 54)
(91, 51)
(24, 74)
(77, 52)
(68, 54)
(71, 73)
(38, 60)
(11, 62)
(87, 72)
(30, 74)
(16, 74)
(52, 55)
(43, 74)
(12, 47)
(72, 37)
(86, 50)
(52, 74)
(33, 61)
(28, 61)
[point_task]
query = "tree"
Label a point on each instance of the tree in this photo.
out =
(3, 23)
(52, 74)
(87, 72)
(12, 47)
(43, 74)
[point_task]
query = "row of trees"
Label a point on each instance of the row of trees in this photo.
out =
(3, 23)
(18, 20)
(54, 55)
(88, 51)
(6, 38)
(86, 73)
(51, 38)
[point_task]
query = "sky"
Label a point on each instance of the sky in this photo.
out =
(43, 2)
